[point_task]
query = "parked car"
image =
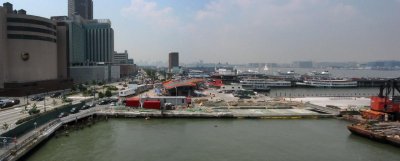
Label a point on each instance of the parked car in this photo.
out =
(74, 110)
(55, 95)
(6, 103)
(62, 114)
(92, 105)
(104, 102)
(15, 101)
(113, 100)
(34, 98)
(37, 98)
(40, 98)
(244, 97)
(84, 107)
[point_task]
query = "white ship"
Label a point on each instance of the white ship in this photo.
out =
(324, 74)
(263, 84)
(335, 83)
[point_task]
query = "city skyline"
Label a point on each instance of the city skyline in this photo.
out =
(243, 31)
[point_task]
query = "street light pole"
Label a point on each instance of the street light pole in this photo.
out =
(44, 102)
(176, 96)
(35, 125)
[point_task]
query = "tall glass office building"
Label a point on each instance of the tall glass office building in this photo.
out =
(99, 41)
(83, 8)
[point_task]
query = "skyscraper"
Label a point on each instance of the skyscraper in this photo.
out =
(99, 41)
(173, 60)
(84, 8)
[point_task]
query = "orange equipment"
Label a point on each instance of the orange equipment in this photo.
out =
(386, 104)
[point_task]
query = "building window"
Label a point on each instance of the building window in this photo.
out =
(31, 21)
(31, 29)
(30, 37)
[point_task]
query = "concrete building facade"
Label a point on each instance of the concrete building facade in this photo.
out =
(120, 58)
(104, 73)
(83, 8)
(28, 51)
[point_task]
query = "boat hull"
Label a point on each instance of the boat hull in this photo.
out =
(361, 131)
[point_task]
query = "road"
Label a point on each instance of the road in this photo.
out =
(11, 116)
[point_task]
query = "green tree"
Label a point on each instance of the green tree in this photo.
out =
(5, 126)
(82, 88)
(73, 88)
(101, 94)
(108, 93)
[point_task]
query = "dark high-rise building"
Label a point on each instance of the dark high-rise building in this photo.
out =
(8, 6)
(84, 8)
(99, 41)
(173, 60)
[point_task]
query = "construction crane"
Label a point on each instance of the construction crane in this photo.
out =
(385, 106)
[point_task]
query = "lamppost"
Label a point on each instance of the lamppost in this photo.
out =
(35, 124)
(176, 96)
(44, 102)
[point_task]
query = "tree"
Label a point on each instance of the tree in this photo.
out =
(5, 126)
(101, 94)
(100, 83)
(82, 88)
(108, 93)
(73, 88)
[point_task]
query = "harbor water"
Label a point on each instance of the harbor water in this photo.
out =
(217, 140)
(323, 92)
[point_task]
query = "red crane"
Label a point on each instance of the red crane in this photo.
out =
(385, 106)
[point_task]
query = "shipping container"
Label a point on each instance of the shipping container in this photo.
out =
(152, 105)
(133, 102)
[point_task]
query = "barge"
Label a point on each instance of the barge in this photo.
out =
(385, 132)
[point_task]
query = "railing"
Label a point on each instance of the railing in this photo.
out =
(79, 115)
(28, 141)
(36, 135)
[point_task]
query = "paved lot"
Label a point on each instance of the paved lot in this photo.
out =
(341, 102)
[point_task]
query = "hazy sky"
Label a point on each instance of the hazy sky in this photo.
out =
(242, 31)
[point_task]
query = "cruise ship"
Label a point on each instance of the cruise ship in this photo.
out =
(333, 83)
(263, 84)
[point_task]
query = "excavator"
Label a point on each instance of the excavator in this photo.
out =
(385, 106)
